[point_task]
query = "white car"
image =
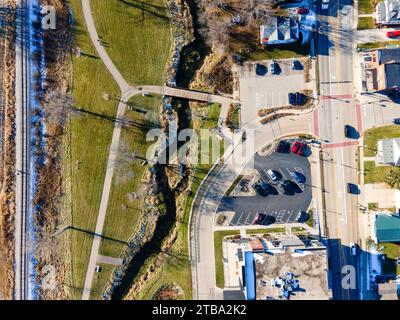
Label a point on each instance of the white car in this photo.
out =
(353, 249)
(325, 4)
(272, 175)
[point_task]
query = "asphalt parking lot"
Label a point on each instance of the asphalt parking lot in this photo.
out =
(269, 90)
(277, 206)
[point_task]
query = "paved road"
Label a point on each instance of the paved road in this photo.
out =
(214, 186)
(338, 108)
(22, 141)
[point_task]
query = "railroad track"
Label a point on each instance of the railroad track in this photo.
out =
(22, 195)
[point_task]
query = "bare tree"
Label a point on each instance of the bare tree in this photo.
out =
(56, 107)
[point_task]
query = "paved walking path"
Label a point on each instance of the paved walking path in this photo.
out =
(127, 91)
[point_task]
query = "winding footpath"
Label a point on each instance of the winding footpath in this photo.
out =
(127, 91)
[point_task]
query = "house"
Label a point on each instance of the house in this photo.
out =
(381, 70)
(279, 30)
(387, 228)
(389, 151)
(388, 12)
(388, 291)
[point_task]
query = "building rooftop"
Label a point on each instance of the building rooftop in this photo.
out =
(387, 227)
(388, 291)
(388, 12)
(389, 150)
(279, 30)
(309, 269)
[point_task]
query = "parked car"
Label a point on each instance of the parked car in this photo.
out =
(259, 218)
(325, 4)
(298, 147)
(287, 185)
(272, 175)
(302, 10)
(396, 121)
(274, 67)
(297, 176)
(296, 65)
(393, 34)
(292, 98)
(353, 249)
(352, 188)
(300, 98)
(261, 70)
(347, 131)
(282, 146)
(260, 190)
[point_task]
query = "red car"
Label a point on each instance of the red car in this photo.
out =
(302, 10)
(393, 34)
(298, 147)
(259, 218)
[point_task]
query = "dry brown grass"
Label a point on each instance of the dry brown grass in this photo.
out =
(7, 201)
(50, 216)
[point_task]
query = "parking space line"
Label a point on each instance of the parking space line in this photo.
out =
(290, 216)
(248, 216)
(240, 217)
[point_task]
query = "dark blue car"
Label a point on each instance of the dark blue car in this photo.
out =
(292, 98)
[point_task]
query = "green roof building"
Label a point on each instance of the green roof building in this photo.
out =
(387, 228)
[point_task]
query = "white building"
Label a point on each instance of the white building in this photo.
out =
(388, 12)
(389, 151)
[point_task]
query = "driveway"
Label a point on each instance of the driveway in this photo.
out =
(373, 35)
(277, 206)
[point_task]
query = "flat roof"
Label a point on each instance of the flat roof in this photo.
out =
(309, 269)
(387, 228)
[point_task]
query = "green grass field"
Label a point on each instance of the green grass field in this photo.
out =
(122, 212)
(219, 266)
(137, 37)
(375, 45)
(392, 251)
(91, 137)
(375, 174)
(177, 266)
(372, 136)
(365, 23)
(365, 7)
(99, 280)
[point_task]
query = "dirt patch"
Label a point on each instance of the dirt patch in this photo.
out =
(169, 291)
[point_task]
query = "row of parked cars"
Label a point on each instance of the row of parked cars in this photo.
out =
(274, 68)
(297, 147)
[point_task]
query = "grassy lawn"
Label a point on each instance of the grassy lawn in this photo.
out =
(284, 51)
(365, 7)
(123, 212)
(372, 136)
(365, 23)
(392, 251)
(137, 37)
(375, 174)
(375, 45)
(177, 266)
(99, 280)
(219, 265)
(90, 139)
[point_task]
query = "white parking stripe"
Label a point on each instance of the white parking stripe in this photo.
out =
(248, 216)
(238, 221)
